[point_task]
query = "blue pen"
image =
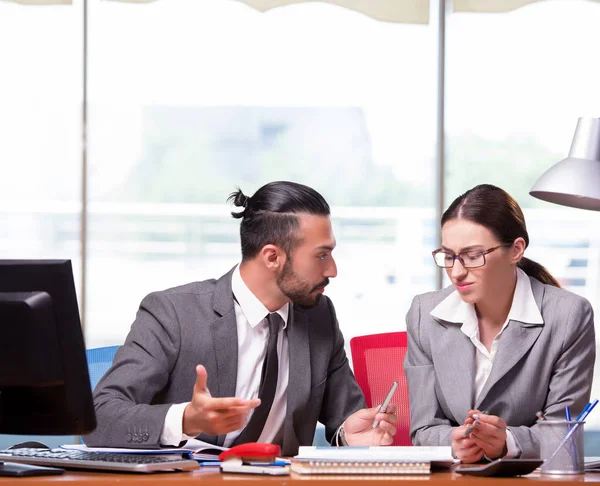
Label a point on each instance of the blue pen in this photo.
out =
(583, 411)
(589, 409)
(263, 464)
(573, 448)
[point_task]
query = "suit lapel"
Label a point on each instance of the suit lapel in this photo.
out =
(299, 371)
(455, 368)
(516, 340)
(224, 337)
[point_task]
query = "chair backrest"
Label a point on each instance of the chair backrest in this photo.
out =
(98, 361)
(378, 361)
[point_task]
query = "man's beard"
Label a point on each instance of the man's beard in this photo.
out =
(296, 289)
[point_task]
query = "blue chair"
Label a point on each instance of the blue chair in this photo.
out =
(98, 361)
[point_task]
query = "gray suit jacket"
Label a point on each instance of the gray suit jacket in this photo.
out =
(195, 324)
(537, 367)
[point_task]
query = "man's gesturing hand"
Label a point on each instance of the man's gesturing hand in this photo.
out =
(214, 416)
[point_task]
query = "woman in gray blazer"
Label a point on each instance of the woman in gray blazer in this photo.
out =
(500, 344)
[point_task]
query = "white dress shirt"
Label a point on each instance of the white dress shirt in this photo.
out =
(253, 336)
(523, 309)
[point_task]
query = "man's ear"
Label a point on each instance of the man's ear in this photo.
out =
(273, 257)
(517, 249)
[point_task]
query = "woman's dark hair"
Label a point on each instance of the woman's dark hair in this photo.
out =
(495, 209)
(270, 215)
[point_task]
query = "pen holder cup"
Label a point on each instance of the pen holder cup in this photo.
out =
(561, 446)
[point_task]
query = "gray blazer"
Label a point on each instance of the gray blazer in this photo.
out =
(537, 367)
(177, 329)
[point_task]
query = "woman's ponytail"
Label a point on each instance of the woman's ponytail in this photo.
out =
(537, 271)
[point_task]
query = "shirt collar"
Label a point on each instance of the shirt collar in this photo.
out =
(523, 308)
(253, 309)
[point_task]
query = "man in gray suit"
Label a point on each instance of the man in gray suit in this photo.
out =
(256, 355)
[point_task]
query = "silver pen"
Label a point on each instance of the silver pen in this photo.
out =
(386, 402)
(469, 428)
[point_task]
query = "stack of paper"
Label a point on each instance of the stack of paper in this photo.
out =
(591, 464)
(370, 460)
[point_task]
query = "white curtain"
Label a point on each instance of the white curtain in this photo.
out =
(42, 2)
(403, 11)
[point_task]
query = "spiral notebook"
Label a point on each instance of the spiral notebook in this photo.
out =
(370, 460)
(362, 467)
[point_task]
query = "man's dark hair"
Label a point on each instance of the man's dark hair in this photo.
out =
(270, 216)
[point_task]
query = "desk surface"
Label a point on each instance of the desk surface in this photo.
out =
(211, 477)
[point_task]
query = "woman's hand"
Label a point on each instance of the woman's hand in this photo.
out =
(464, 447)
(489, 434)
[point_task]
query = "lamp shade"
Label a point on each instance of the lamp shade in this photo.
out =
(575, 181)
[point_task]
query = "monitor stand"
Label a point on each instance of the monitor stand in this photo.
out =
(18, 469)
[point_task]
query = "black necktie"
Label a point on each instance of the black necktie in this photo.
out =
(268, 385)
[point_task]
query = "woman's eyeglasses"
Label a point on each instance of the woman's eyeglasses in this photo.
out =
(468, 259)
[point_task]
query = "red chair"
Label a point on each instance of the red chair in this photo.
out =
(378, 361)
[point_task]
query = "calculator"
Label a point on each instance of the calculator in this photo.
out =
(501, 467)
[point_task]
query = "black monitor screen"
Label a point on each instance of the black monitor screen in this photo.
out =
(44, 381)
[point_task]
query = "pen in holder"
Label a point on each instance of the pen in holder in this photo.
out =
(561, 446)
(569, 448)
(573, 449)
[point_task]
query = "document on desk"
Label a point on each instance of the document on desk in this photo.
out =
(437, 456)
(591, 464)
(193, 449)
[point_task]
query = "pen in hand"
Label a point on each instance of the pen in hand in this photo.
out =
(469, 428)
(386, 402)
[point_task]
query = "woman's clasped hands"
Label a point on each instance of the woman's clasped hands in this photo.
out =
(481, 435)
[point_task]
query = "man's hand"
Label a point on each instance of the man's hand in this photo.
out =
(214, 416)
(489, 433)
(359, 431)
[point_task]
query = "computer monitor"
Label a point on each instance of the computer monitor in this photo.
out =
(44, 381)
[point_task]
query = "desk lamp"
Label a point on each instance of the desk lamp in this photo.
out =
(575, 181)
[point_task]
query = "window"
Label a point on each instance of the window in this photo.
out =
(229, 96)
(513, 102)
(40, 123)
(188, 99)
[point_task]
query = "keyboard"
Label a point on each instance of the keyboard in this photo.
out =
(72, 459)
